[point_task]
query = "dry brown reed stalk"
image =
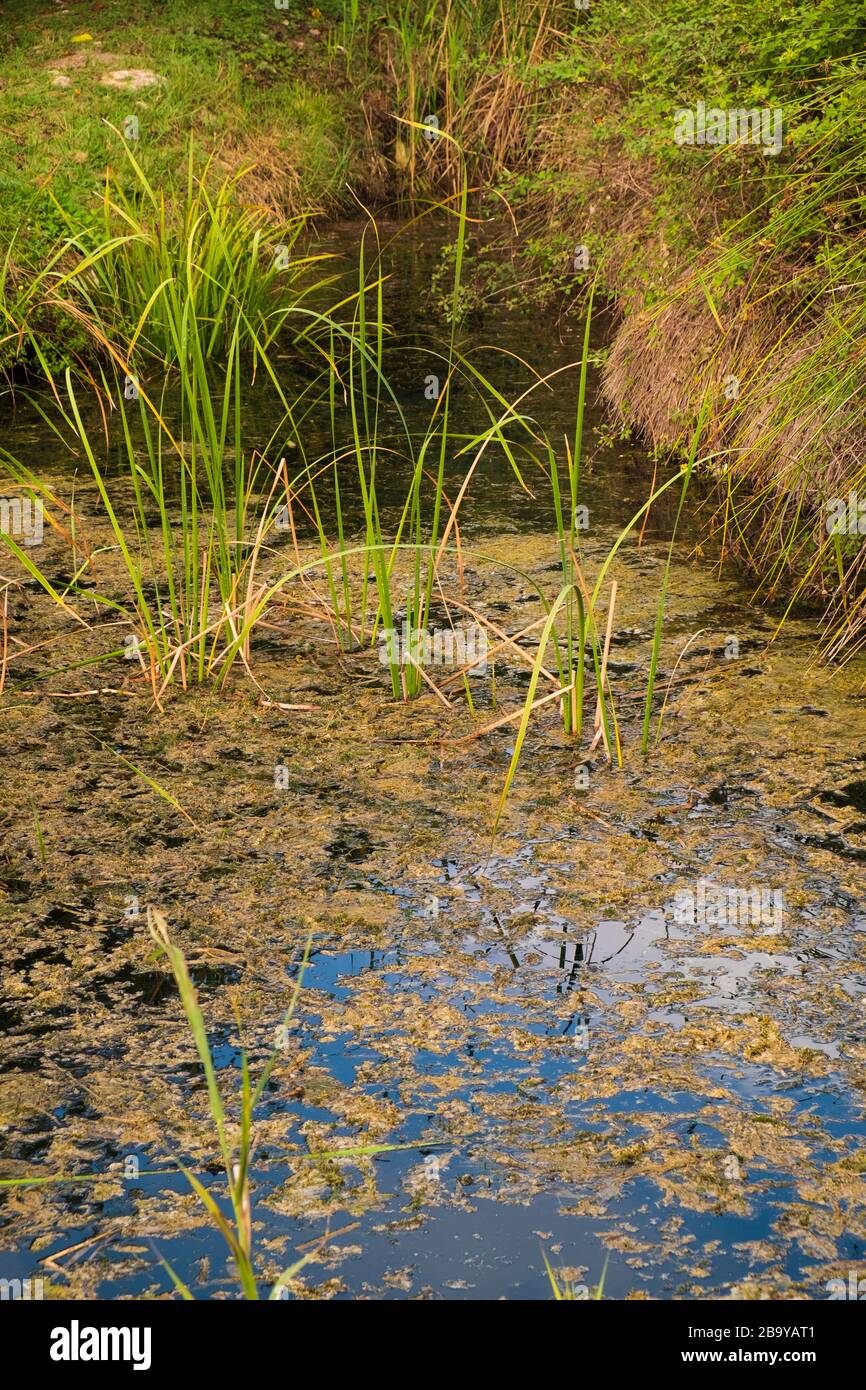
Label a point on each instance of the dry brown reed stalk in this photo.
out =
(511, 643)
(510, 718)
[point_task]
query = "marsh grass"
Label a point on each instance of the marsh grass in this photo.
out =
(771, 313)
(130, 275)
(237, 1139)
(29, 328)
(578, 608)
(151, 264)
(191, 514)
(195, 513)
(567, 1291)
(468, 65)
(235, 1152)
(198, 506)
(191, 539)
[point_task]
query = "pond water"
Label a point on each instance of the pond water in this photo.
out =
(569, 1064)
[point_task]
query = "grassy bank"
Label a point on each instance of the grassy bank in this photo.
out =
(737, 263)
(244, 80)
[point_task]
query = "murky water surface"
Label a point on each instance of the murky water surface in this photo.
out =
(568, 1063)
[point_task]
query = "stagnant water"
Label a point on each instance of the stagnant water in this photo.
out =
(570, 1065)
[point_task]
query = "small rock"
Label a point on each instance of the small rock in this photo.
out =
(131, 79)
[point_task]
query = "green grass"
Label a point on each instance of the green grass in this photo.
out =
(204, 255)
(730, 264)
(197, 290)
(236, 1136)
(766, 250)
(235, 1150)
(195, 513)
(152, 261)
(193, 516)
(233, 83)
(567, 1291)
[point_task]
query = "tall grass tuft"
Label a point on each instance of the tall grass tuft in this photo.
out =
(149, 263)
